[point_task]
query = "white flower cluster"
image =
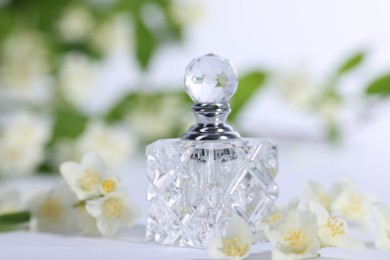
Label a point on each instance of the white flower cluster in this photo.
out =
(144, 118)
(297, 231)
(344, 199)
(90, 201)
(22, 142)
(77, 79)
(113, 143)
(24, 79)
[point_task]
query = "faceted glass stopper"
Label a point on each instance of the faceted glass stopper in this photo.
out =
(210, 79)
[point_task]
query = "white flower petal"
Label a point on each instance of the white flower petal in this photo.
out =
(215, 248)
(296, 236)
(107, 228)
(239, 228)
(321, 213)
(53, 211)
(94, 207)
(87, 223)
(71, 171)
(236, 244)
(352, 204)
(382, 240)
(113, 211)
(94, 162)
(381, 212)
(315, 191)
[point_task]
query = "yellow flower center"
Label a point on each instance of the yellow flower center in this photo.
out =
(233, 247)
(335, 227)
(276, 217)
(109, 185)
(51, 208)
(296, 240)
(90, 180)
(113, 208)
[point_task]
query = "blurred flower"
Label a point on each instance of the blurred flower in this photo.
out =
(113, 211)
(381, 212)
(54, 211)
(352, 204)
(296, 236)
(19, 160)
(77, 77)
(236, 244)
(22, 143)
(185, 12)
(114, 34)
(113, 143)
(164, 111)
(75, 24)
(10, 200)
(333, 231)
(65, 150)
(85, 178)
(20, 78)
(342, 198)
(329, 106)
(27, 128)
(297, 88)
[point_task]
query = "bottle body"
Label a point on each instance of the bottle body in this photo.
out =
(197, 186)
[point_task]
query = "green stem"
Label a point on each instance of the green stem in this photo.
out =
(12, 221)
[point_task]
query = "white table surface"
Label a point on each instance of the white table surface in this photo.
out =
(131, 245)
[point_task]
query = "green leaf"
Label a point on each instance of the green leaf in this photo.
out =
(146, 44)
(380, 86)
(15, 218)
(68, 123)
(248, 85)
(351, 63)
(122, 108)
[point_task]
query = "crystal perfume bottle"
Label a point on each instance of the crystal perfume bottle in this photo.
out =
(198, 182)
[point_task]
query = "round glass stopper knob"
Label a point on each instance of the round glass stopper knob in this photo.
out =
(210, 79)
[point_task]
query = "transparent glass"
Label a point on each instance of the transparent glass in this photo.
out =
(196, 186)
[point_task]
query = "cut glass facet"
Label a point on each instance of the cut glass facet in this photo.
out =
(197, 186)
(210, 79)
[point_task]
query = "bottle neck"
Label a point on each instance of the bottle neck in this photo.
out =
(211, 123)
